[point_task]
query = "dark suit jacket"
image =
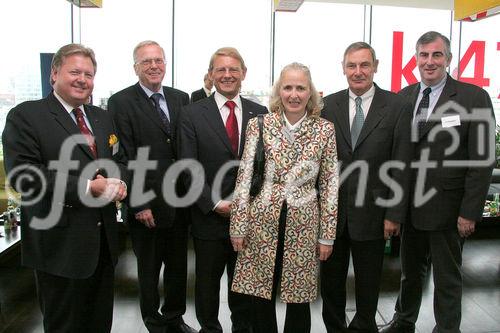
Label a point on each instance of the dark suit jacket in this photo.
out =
(33, 136)
(140, 126)
(203, 137)
(385, 136)
(461, 191)
(197, 95)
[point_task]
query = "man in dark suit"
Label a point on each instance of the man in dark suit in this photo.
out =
(212, 131)
(439, 224)
(373, 131)
(52, 148)
(146, 116)
(204, 92)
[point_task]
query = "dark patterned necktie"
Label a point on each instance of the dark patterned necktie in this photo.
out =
(80, 121)
(423, 106)
(232, 127)
(164, 119)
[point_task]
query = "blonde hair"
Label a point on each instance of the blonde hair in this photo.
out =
(69, 50)
(315, 103)
(229, 52)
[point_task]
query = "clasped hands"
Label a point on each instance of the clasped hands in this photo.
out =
(109, 189)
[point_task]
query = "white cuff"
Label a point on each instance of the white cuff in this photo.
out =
(326, 241)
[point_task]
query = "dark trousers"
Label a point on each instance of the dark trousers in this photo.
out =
(367, 257)
(154, 248)
(78, 305)
(212, 256)
(298, 315)
(444, 249)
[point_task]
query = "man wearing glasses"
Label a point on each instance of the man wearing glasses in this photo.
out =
(146, 115)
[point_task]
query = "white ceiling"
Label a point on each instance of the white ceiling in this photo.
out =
(434, 4)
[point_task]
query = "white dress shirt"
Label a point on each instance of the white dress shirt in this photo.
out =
(224, 111)
(436, 91)
(366, 102)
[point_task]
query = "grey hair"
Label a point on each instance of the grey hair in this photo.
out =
(360, 46)
(431, 36)
(146, 43)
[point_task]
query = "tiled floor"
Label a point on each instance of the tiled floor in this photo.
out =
(481, 298)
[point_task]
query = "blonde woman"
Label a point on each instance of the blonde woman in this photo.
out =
(284, 231)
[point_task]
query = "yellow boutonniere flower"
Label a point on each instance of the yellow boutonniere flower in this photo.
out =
(112, 140)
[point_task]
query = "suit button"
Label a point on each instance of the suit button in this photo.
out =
(168, 141)
(99, 223)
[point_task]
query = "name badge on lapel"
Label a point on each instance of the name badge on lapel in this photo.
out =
(113, 144)
(450, 121)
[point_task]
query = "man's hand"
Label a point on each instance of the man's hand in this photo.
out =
(239, 243)
(391, 229)
(465, 227)
(110, 189)
(223, 208)
(324, 251)
(146, 217)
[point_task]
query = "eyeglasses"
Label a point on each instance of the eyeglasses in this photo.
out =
(149, 62)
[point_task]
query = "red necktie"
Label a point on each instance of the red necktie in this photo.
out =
(232, 127)
(85, 131)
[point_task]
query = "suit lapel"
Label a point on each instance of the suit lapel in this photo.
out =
(375, 114)
(148, 108)
(342, 113)
(100, 138)
(214, 120)
(172, 108)
(277, 141)
(303, 134)
(62, 117)
(247, 112)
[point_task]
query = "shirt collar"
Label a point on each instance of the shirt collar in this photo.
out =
(66, 106)
(435, 87)
(366, 95)
(221, 100)
(295, 126)
(207, 92)
(149, 92)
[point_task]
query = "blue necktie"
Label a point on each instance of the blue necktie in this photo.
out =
(164, 119)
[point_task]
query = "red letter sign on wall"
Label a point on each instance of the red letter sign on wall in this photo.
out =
(398, 71)
(476, 49)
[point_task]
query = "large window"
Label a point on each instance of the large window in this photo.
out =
(395, 31)
(114, 30)
(317, 36)
(479, 54)
(202, 26)
(26, 34)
